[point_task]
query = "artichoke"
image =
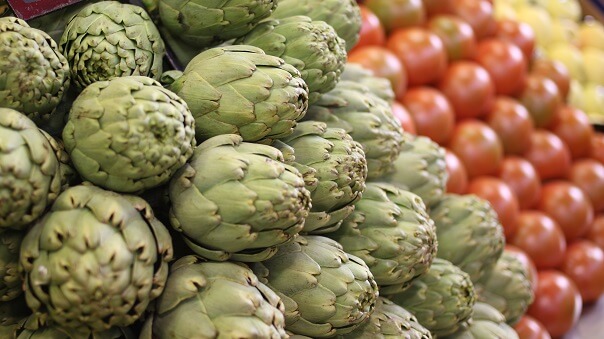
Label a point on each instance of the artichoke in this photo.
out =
(469, 233)
(203, 23)
(367, 118)
(377, 85)
(241, 90)
(95, 261)
(54, 332)
(441, 299)
(129, 134)
(326, 292)
(313, 47)
(33, 74)
(215, 300)
(421, 169)
(109, 39)
(336, 168)
(10, 280)
(31, 174)
(237, 200)
(391, 231)
(486, 323)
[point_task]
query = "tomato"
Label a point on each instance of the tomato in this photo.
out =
(477, 13)
(596, 231)
(398, 13)
(478, 148)
(523, 180)
(432, 113)
(505, 63)
(457, 181)
(541, 98)
(573, 127)
(569, 206)
(555, 71)
(456, 35)
(400, 112)
(383, 63)
(502, 199)
(584, 264)
(436, 7)
(372, 31)
(519, 33)
(541, 238)
(588, 175)
(469, 88)
(421, 52)
(530, 328)
(548, 154)
(526, 261)
(597, 147)
(512, 123)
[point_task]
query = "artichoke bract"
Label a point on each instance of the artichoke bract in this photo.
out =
(469, 233)
(109, 39)
(34, 75)
(313, 47)
(441, 299)
(377, 85)
(95, 260)
(326, 291)
(215, 300)
(339, 170)
(367, 118)
(31, 174)
(486, 323)
(204, 23)
(10, 280)
(129, 134)
(392, 232)
(237, 200)
(241, 90)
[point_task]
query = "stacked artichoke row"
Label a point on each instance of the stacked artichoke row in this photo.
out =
(264, 191)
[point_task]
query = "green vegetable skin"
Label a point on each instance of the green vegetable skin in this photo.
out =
(486, 322)
(377, 85)
(10, 280)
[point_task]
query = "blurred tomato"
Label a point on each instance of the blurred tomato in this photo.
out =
(505, 63)
(573, 127)
(398, 13)
(541, 98)
(526, 260)
(548, 154)
(597, 147)
(400, 112)
(477, 13)
(502, 199)
(541, 238)
(478, 148)
(384, 64)
(588, 175)
(584, 264)
(469, 88)
(519, 33)
(372, 32)
(421, 52)
(569, 206)
(436, 7)
(431, 112)
(458, 176)
(523, 180)
(512, 123)
(530, 328)
(596, 231)
(555, 71)
(456, 35)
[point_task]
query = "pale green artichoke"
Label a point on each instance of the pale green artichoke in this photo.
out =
(313, 47)
(33, 74)
(469, 233)
(486, 323)
(215, 300)
(377, 85)
(326, 292)
(392, 232)
(441, 299)
(237, 200)
(129, 134)
(10, 280)
(334, 170)
(241, 90)
(95, 261)
(109, 39)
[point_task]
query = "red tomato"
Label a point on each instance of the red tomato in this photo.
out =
(541, 238)
(584, 264)
(569, 206)
(523, 180)
(384, 64)
(526, 261)
(502, 199)
(372, 32)
(519, 33)
(573, 127)
(530, 328)
(588, 175)
(596, 231)
(479, 14)
(555, 71)
(548, 154)
(400, 112)
(458, 176)
(512, 123)
(597, 147)
(478, 148)
(421, 52)
(469, 88)
(431, 112)
(456, 34)
(505, 63)
(436, 7)
(541, 98)
(398, 13)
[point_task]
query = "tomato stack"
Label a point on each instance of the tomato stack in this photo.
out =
(476, 85)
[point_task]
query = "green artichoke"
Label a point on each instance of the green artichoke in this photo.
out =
(109, 39)
(10, 280)
(203, 23)
(241, 90)
(215, 300)
(469, 233)
(486, 323)
(377, 85)
(33, 74)
(441, 299)
(421, 169)
(95, 261)
(237, 200)
(392, 232)
(337, 174)
(129, 134)
(313, 47)
(31, 173)
(54, 332)
(326, 292)
(507, 288)
(367, 118)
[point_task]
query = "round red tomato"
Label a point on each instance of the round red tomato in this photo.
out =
(530, 328)
(398, 13)
(541, 238)
(519, 33)
(478, 148)
(541, 98)
(584, 264)
(523, 180)
(526, 260)
(502, 199)
(588, 175)
(400, 112)
(505, 63)
(457, 181)
(596, 231)
(436, 7)
(469, 88)
(372, 32)
(597, 147)
(456, 34)
(573, 127)
(477, 13)
(548, 154)
(421, 52)
(431, 112)
(384, 64)
(512, 123)
(555, 71)
(569, 206)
